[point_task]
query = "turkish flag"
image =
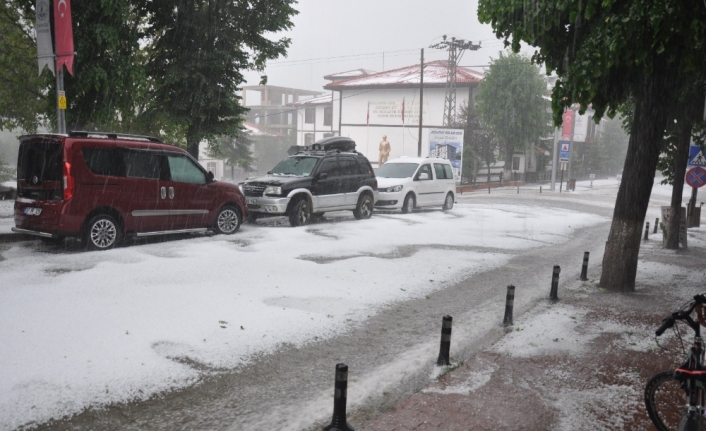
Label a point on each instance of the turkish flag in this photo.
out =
(568, 125)
(63, 35)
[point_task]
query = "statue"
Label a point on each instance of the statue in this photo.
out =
(384, 151)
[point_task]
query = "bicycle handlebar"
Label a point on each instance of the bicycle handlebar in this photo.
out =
(683, 314)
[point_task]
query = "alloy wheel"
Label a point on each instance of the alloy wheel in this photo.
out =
(103, 233)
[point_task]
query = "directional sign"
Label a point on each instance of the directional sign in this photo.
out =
(696, 177)
(564, 150)
(697, 156)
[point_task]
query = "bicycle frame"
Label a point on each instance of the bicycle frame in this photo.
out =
(691, 375)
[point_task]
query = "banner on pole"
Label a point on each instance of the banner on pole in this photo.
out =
(64, 36)
(448, 144)
(45, 51)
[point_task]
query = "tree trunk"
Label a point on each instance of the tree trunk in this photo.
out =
(192, 146)
(681, 157)
(654, 93)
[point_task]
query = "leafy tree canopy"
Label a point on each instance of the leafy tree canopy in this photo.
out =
(21, 95)
(600, 48)
(510, 102)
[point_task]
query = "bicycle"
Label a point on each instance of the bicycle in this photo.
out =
(675, 399)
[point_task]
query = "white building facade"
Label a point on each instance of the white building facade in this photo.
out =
(315, 119)
(387, 104)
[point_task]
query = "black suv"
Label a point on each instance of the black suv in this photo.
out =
(326, 176)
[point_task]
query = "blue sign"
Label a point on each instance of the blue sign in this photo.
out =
(697, 156)
(564, 151)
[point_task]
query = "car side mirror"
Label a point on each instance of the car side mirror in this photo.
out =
(322, 176)
(423, 176)
(209, 177)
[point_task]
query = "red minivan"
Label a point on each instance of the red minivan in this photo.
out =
(102, 187)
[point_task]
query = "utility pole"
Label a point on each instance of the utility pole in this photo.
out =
(421, 104)
(456, 48)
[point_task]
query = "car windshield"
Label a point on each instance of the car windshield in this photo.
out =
(299, 166)
(396, 170)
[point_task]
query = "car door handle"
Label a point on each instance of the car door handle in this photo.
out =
(171, 192)
(163, 192)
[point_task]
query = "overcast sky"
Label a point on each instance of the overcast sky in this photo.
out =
(331, 36)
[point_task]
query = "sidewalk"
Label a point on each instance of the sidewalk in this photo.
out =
(578, 364)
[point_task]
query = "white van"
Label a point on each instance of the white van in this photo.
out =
(414, 182)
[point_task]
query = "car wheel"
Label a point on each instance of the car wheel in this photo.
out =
(102, 233)
(408, 205)
(449, 202)
(364, 209)
(227, 220)
(299, 214)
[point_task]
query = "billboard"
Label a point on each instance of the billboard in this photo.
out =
(448, 144)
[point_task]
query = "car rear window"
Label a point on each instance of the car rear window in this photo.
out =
(41, 160)
(142, 164)
(449, 172)
(105, 161)
(443, 171)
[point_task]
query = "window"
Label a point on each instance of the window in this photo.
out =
(348, 166)
(310, 115)
(439, 171)
(328, 115)
(516, 163)
(308, 138)
(330, 167)
(328, 135)
(211, 167)
(449, 172)
(142, 164)
(425, 169)
(184, 170)
(365, 167)
(104, 161)
(301, 166)
(41, 160)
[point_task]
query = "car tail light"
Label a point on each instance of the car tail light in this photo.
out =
(68, 182)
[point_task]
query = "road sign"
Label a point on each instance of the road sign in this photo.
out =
(592, 176)
(564, 150)
(697, 156)
(696, 177)
(62, 100)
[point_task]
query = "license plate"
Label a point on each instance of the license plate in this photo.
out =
(33, 211)
(252, 201)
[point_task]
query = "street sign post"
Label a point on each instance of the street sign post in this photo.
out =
(696, 177)
(564, 151)
(697, 156)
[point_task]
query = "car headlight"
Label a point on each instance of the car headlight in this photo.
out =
(391, 189)
(273, 191)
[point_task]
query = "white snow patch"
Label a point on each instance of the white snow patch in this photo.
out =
(474, 381)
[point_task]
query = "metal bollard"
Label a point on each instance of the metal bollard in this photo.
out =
(540, 189)
(518, 188)
(656, 224)
(647, 230)
(445, 349)
(554, 293)
(584, 267)
(509, 303)
(338, 422)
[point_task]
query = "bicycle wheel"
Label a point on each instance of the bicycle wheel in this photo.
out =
(665, 401)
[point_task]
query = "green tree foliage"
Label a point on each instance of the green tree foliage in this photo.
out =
(510, 103)
(21, 91)
(479, 143)
(605, 52)
(109, 82)
(199, 52)
(235, 151)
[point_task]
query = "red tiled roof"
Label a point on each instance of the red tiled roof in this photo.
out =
(434, 76)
